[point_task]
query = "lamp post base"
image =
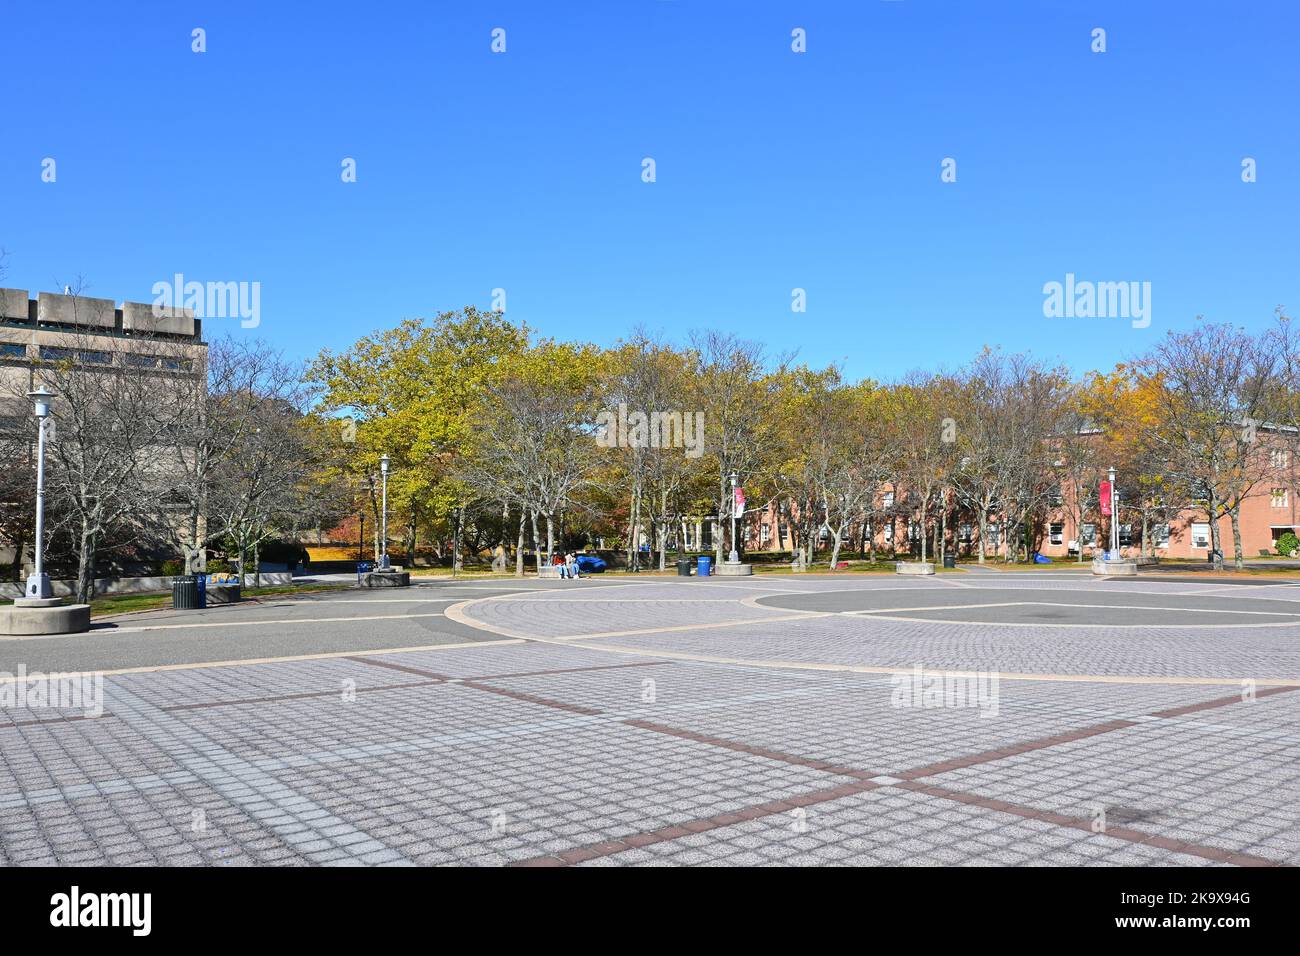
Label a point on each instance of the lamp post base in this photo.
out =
(38, 586)
(733, 569)
(34, 616)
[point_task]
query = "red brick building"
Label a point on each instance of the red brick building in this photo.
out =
(1271, 511)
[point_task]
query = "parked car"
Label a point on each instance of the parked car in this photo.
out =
(590, 564)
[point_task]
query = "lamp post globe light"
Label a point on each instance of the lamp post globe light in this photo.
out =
(38, 584)
(383, 534)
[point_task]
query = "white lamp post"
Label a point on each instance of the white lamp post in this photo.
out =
(1114, 518)
(38, 584)
(383, 535)
(734, 557)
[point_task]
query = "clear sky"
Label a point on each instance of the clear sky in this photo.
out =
(774, 169)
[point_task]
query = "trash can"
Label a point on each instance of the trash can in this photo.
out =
(185, 593)
(704, 565)
(202, 582)
(950, 560)
(683, 567)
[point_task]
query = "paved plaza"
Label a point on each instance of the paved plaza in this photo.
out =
(972, 718)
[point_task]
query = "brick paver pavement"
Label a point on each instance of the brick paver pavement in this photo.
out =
(661, 721)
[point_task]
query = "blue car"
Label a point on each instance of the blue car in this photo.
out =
(590, 564)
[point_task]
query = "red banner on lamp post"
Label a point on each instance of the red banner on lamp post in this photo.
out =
(1105, 499)
(740, 500)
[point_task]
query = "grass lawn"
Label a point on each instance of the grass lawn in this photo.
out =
(153, 600)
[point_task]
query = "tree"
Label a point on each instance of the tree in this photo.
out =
(533, 439)
(102, 471)
(1210, 386)
(414, 392)
(738, 394)
(925, 432)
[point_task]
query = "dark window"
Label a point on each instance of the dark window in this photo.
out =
(55, 353)
(13, 350)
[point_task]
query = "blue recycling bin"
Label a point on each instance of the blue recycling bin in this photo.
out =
(202, 582)
(703, 566)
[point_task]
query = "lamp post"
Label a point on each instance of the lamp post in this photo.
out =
(455, 542)
(1114, 517)
(38, 585)
(383, 536)
(734, 557)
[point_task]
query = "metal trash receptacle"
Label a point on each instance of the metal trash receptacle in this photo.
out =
(683, 567)
(185, 593)
(950, 560)
(704, 566)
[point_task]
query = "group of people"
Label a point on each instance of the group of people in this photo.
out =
(568, 564)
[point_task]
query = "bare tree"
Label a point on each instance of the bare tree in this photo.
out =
(109, 427)
(1211, 387)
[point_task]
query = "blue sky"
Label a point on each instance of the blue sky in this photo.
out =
(775, 170)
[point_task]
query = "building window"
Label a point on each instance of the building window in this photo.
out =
(1055, 497)
(1279, 497)
(1201, 535)
(1125, 535)
(54, 353)
(889, 500)
(13, 350)
(995, 537)
(1279, 457)
(889, 532)
(1088, 535)
(1160, 535)
(964, 533)
(1056, 532)
(764, 533)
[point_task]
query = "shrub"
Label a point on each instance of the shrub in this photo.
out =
(218, 567)
(171, 567)
(1288, 544)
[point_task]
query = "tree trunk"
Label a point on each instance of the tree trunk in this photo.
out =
(86, 565)
(1238, 559)
(984, 530)
(550, 537)
(1216, 552)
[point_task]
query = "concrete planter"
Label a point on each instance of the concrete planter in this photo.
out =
(223, 593)
(32, 616)
(549, 571)
(913, 567)
(395, 578)
(738, 570)
(1105, 568)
